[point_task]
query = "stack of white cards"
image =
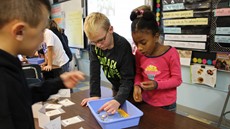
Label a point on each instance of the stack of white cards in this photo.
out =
(48, 110)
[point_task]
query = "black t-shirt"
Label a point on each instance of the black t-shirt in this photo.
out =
(118, 65)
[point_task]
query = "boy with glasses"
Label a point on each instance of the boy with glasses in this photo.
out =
(113, 53)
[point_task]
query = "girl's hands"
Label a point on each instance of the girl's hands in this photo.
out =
(137, 96)
(149, 85)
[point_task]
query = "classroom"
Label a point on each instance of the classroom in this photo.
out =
(174, 75)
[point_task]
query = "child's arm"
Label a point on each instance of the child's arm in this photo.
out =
(175, 78)
(45, 62)
(50, 59)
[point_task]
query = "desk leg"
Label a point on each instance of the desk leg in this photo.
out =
(224, 108)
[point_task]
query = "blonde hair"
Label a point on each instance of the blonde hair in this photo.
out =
(53, 24)
(95, 21)
(143, 7)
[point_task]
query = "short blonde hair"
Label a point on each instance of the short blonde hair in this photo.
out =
(95, 21)
(143, 7)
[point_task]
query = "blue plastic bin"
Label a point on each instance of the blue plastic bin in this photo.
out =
(116, 121)
(35, 60)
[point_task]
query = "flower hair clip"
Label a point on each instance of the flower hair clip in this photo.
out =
(139, 12)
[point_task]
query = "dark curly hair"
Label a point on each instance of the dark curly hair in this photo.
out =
(143, 20)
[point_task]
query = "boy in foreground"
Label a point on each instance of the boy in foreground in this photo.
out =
(22, 24)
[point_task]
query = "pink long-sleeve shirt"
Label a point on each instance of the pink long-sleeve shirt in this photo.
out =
(166, 70)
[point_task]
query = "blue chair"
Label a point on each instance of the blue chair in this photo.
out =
(32, 73)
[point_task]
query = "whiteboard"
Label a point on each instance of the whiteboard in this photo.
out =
(118, 12)
(70, 16)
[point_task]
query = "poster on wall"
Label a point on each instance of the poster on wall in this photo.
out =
(68, 14)
(185, 57)
(58, 15)
(223, 61)
(203, 69)
(203, 74)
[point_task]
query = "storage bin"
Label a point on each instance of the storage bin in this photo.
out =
(35, 60)
(115, 121)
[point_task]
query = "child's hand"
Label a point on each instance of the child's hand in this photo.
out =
(110, 107)
(137, 96)
(43, 64)
(47, 68)
(149, 85)
(84, 101)
(70, 79)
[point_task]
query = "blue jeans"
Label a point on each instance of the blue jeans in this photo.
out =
(65, 67)
(171, 107)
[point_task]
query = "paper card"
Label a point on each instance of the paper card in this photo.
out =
(186, 37)
(72, 120)
(222, 12)
(64, 92)
(222, 30)
(61, 93)
(178, 6)
(54, 97)
(178, 14)
(192, 45)
(223, 61)
(43, 119)
(203, 74)
(66, 102)
(222, 39)
(175, 30)
(194, 21)
(78, 53)
(53, 106)
(35, 108)
(54, 124)
(55, 112)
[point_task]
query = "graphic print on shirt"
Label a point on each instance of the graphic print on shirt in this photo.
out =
(151, 71)
(109, 66)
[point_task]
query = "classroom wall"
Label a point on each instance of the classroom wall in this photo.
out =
(198, 97)
(201, 97)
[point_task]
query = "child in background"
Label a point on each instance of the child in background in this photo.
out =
(55, 53)
(22, 24)
(53, 26)
(158, 69)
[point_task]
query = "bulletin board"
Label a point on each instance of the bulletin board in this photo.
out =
(68, 15)
(220, 32)
(186, 23)
(197, 25)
